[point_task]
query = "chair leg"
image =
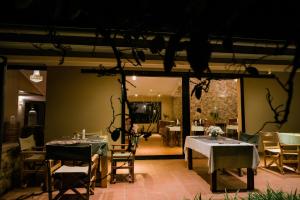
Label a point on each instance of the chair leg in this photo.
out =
(280, 164)
(265, 159)
(131, 171)
(88, 192)
(113, 172)
(240, 171)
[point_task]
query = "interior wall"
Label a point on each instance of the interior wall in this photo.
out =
(15, 81)
(257, 110)
(166, 107)
(77, 101)
(11, 94)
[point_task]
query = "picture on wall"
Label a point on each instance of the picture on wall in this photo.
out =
(146, 112)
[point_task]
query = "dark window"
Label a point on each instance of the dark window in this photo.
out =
(146, 112)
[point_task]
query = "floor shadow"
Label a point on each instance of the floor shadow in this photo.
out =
(70, 197)
(225, 180)
(288, 171)
(120, 178)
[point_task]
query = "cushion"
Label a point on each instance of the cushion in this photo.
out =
(72, 169)
(35, 157)
(27, 143)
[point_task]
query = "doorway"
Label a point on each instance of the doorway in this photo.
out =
(165, 93)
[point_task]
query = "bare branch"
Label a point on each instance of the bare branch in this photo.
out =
(281, 84)
(113, 116)
(130, 83)
(289, 89)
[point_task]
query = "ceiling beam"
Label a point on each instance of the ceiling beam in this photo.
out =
(152, 57)
(140, 43)
(226, 75)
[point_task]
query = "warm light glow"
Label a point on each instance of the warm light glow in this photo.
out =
(269, 71)
(136, 95)
(158, 95)
(133, 77)
(151, 90)
(36, 77)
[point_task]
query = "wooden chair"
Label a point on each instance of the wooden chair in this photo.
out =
(231, 128)
(71, 167)
(233, 121)
(32, 161)
(271, 149)
(123, 157)
(289, 153)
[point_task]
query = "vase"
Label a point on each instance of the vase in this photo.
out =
(213, 137)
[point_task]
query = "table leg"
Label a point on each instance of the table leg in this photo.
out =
(250, 179)
(298, 167)
(240, 171)
(213, 185)
(190, 159)
(104, 171)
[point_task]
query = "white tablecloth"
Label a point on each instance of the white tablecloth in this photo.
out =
(193, 128)
(224, 152)
(197, 128)
(173, 128)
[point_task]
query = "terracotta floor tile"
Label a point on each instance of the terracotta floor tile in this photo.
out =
(171, 180)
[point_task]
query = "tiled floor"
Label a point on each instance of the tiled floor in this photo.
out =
(154, 146)
(171, 180)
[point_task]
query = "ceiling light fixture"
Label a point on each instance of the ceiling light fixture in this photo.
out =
(36, 77)
(134, 77)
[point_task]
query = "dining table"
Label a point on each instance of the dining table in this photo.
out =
(223, 153)
(174, 135)
(99, 146)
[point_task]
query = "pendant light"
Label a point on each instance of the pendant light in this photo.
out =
(36, 77)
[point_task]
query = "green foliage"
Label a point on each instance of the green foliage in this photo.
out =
(269, 194)
(227, 197)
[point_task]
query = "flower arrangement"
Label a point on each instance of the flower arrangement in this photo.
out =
(214, 131)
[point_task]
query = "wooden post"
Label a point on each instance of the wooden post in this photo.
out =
(213, 184)
(3, 68)
(190, 159)
(186, 127)
(250, 179)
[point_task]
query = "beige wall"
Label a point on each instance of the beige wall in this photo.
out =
(11, 94)
(257, 110)
(77, 101)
